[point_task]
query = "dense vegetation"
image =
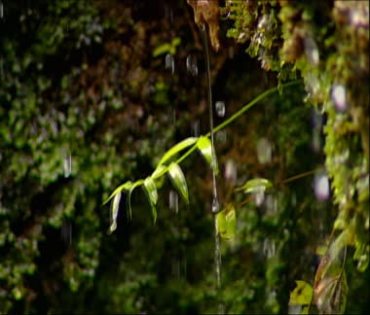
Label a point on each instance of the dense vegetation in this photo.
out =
(93, 93)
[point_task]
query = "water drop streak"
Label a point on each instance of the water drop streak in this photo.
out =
(210, 102)
(215, 209)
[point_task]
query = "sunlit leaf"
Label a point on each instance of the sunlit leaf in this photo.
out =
(167, 47)
(302, 294)
(159, 171)
(151, 191)
(204, 146)
(114, 211)
(162, 49)
(343, 239)
(125, 186)
(132, 188)
(226, 223)
(178, 179)
(331, 294)
(361, 255)
(176, 149)
(255, 185)
(220, 223)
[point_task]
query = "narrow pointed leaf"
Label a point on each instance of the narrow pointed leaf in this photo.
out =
(159, 171)
(302, 294)
(151, 191)
(176, 149)
(220, 223)
(204, 146)
(178, 180)
(226, 223)
(125, 186)
(132, 188)
(230, 218)
(331, 294)
(114, 211)
(255, 185)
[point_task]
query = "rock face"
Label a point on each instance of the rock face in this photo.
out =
(207, 12)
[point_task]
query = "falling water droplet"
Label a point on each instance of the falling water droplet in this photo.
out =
(195, 128)
(231, 52)
(230, 171)
(221, 136)
(170, 63)
(173, 200)
(67, 164)
(1, 10)
(294, 309)
(271, 203)
(192, 65)
(321, 186)
(338, 96)
(66, 233)
(269, 248)
(168, 13)
(264, 151)
(259, 196)
(220, 108)
(215, 205)
(312, 51)
(1, 68)
(317, 122)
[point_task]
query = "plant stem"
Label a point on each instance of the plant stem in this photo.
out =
(259, 98)
(240, 112)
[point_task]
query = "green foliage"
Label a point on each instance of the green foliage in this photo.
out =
(78, 79)
(151, 191)
(204, 146)
(226, 223)
(301, 296)
(178, 179)
(171, 153)
(167, 48)
(256, 185)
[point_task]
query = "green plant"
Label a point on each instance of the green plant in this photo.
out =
(169, 164)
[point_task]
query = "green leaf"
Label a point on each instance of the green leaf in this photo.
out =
(176, 149)
(226, 223)
(255, 185)
(151, 191)
(331, 294)
(125, 186)
(114, 211)
(204, 146)
(162, 49)
(132, 188)
(167, 47)
(178, 180)
(159, 171)
(302, 294)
